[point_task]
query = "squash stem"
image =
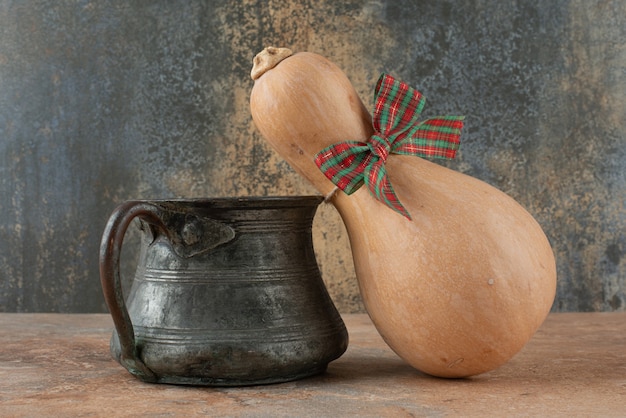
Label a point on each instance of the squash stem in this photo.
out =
(268, 59)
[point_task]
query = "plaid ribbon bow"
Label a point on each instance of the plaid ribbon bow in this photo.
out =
(349, 164)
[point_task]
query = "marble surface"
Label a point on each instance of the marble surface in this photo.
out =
(59, 365)
(105, 101)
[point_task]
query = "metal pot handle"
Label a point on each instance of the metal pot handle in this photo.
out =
(110, 250)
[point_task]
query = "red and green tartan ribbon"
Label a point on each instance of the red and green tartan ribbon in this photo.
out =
(350, 164)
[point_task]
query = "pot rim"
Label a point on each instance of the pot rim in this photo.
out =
(238, 201)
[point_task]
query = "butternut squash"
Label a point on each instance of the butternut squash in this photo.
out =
(456, 291)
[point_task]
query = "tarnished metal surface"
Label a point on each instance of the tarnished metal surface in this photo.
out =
(227, 292)
(103, 101)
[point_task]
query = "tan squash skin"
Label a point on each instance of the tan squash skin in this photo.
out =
(455, 292)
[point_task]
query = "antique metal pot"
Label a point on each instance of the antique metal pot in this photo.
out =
(227, 292)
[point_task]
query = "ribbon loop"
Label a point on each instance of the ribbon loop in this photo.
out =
(350, 164)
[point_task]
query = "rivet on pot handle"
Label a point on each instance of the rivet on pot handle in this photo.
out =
(110, 250)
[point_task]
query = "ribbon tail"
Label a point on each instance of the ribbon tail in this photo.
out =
(380, 187)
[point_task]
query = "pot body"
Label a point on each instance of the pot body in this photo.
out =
(227, 292)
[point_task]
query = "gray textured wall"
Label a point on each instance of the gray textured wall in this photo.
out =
(104, 101)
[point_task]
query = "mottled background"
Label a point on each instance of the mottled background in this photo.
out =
(104, 101)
